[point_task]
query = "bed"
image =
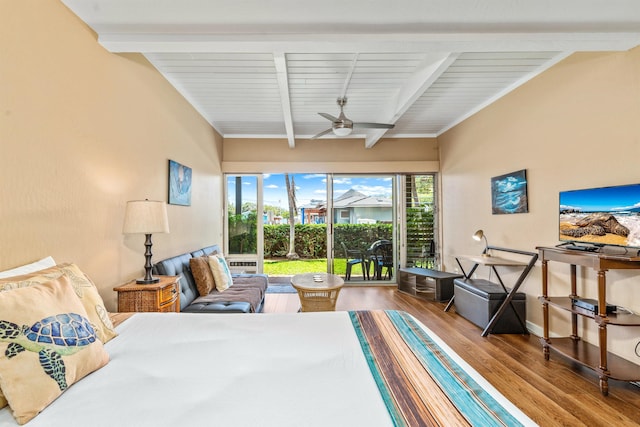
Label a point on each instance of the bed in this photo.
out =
(358, 368)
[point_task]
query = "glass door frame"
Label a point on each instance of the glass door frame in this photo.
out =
(237, 260)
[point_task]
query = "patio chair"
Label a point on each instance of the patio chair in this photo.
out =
(354, 257)
(381, 256)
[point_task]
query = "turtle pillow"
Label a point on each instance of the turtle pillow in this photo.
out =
(47, 343)
(83, 287)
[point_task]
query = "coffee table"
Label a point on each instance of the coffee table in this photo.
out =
(317, 291)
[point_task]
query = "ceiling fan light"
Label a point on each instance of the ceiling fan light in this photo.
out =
(341, 131)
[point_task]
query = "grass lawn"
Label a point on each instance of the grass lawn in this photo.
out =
(284, 267)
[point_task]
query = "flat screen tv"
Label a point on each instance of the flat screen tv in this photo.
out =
(601, 216)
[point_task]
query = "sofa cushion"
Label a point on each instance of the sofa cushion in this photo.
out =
(221, 274)
(202, 274)
(179, 266)
(251, 294)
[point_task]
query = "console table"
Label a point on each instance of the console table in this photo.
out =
(596, 357)
(426, 283)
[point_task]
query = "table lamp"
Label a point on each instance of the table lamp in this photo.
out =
(146, 217)
(479, 235)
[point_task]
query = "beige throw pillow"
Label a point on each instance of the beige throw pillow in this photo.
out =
(47, 343)
(221, 272)
(83, 287)
(202, 275)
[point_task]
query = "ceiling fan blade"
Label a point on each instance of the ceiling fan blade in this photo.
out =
(329, 117)
(324, 132)
(373, 125)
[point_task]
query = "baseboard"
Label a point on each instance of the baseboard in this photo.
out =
(538, 331)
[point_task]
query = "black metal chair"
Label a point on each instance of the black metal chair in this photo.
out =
(381, 256)
(354, 257)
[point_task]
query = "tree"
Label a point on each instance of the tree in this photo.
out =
(291, 195)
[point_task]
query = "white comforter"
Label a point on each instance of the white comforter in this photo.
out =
(225, 370)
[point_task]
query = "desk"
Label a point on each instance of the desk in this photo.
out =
(493, 262)
(317, 291)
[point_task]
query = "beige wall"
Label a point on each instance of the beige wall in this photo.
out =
(389, 155)
(575, 126)
(82, 131)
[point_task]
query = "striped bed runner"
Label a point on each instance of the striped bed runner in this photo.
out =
(419, 382)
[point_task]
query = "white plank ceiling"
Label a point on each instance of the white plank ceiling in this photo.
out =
(264, 69)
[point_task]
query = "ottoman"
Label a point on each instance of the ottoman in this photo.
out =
(477, 300)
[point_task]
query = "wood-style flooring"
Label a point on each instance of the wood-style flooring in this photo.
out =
(552, 393)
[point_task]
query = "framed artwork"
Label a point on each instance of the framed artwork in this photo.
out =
(509, 193)
(179, 184)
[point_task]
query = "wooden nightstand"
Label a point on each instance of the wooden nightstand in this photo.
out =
(163, 296)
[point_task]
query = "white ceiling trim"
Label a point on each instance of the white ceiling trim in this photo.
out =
(368, 43)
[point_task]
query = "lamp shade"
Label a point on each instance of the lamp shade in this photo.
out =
(145, 217)
(342, 131)
(478, 235)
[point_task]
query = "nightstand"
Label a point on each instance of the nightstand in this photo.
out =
(163, 296)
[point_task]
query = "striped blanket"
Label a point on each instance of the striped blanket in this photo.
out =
(419, 381)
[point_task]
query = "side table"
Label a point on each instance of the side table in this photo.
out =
(317, 291)
(163, 296)
(426, 283)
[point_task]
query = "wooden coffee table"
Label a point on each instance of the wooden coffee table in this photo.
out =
(317, 291)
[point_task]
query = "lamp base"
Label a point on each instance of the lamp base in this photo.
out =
(147, 281)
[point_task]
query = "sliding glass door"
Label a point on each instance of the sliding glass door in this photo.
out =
(361, 227)
(363, 219)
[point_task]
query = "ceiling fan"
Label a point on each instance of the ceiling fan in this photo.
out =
(342, 126)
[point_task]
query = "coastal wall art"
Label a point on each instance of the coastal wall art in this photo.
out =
(509, 193)
(179, 184)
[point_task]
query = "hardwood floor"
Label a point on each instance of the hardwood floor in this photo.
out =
(552, 393)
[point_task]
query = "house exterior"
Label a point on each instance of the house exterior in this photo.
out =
(83, 130)
(353, 207)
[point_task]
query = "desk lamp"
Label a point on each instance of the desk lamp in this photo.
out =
(146, 217)
(479, 235)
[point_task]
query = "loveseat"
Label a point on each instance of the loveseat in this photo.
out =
(246, 295)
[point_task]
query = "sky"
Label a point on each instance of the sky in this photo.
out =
(312, 187)
(606, 199)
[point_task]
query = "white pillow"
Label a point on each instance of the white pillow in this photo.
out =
(29, 268)
(221, 273)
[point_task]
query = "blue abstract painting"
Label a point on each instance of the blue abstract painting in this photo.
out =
(509, 193)
(179, 184)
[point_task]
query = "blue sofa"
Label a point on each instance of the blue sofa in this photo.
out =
(246, 295)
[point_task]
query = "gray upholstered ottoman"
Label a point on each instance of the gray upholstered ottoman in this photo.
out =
(477, 300)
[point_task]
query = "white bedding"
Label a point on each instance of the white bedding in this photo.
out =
(225, 370)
